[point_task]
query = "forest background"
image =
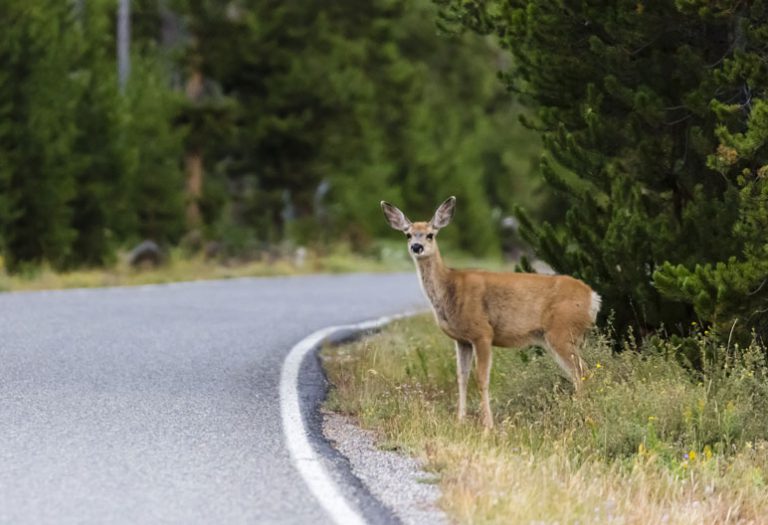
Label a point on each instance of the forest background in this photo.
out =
(625, 143)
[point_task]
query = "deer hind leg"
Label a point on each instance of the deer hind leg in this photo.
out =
(564, 348)
(483, 374)
(463, 368)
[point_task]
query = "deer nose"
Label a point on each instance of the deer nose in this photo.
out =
(417, 248)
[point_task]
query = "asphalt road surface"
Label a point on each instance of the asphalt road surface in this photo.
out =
(159, 404)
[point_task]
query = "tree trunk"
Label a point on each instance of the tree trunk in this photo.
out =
(193, 161)
(123, 43)
(193, 165)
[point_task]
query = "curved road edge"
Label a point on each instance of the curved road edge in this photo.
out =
(297, 422)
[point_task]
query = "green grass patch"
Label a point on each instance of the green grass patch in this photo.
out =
(180, 267)
(649, 440)
(383, 256)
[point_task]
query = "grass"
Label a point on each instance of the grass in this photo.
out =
(184, 268)
(649, 440)
(384, 256)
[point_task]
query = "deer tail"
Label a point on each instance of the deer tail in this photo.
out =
(594, 306)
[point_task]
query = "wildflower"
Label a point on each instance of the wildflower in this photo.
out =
(707, 453)
(692, 455)
(652, 418)
(598, 365)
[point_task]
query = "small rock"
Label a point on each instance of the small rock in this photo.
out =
(146, 254)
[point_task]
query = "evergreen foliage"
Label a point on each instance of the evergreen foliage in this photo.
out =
(155, 182)
(339, 105)
(82, 168)
(653, 119)
(38, 100)
(307, 115)
(98, 206)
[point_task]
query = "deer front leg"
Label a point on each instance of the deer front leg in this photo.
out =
(483, 371)
(463, 367)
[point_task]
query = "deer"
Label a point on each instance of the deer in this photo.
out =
(480, 309)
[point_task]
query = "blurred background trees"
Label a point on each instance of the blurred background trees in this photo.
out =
(338, 105)
(83, 169)
(246, 122)
(261, 122)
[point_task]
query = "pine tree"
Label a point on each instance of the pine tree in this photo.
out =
(732, 292)
(38, 94)
(100, 211)
(639, 105)
(155, 184)
(83, 169)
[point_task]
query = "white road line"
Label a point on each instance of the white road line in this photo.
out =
(303, 455)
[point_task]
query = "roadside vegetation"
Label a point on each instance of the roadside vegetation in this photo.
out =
(652, 438)
(179, 266)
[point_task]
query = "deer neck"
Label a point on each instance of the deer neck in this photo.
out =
(434, 277)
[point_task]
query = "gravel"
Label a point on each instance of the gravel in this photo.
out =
(398, 481)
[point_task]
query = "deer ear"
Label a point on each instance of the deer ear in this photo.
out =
(395, 217)
(444, 213)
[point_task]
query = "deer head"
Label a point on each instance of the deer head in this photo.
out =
(422, 236)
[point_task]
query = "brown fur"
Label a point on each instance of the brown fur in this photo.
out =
(480, 309)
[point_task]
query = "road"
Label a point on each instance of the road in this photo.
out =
(159, 404)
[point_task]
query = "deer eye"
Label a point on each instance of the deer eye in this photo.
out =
(430, 236)
(408, 235)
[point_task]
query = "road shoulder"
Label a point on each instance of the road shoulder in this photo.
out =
(398, 481)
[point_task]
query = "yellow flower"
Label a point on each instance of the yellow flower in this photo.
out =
(692, 455)
(598, 365)
(707, 453)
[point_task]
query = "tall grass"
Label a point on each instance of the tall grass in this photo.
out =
(648, 440)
